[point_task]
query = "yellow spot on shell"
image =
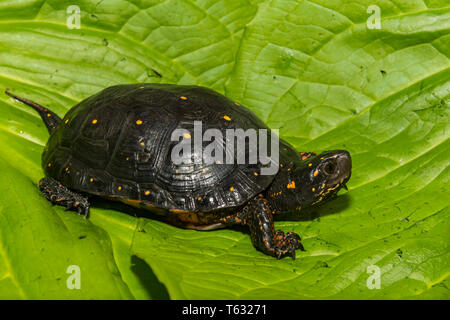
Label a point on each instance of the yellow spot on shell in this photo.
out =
(183, 98)
(67, 169)
(231, 188)
(94, 121)
(322, 158)
(141, 87)
(91, 179)
(127, 158)
(49, 115)
(256, 174)
(67, 121)
(142, 144)
(119, 188)
(199, 198)
(139, 122)
(313, 189)
(227, 118)
(187, 136)
(309, 164)
(147, 192)
(291, 185)
(49, 165)
(316, 173)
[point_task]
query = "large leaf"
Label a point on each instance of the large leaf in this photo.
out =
(312, 69)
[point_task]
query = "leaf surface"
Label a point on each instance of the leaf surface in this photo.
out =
(314, 70)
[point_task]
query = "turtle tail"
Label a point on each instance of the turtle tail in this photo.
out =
(50, 118)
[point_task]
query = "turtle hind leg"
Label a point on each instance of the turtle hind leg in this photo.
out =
(257, 215)
(58, 194)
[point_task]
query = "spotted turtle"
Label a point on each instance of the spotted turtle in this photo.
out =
(118, 144)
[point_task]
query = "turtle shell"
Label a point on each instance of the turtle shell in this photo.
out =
(118, 144)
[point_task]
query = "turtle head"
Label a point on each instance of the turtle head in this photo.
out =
(322, 176)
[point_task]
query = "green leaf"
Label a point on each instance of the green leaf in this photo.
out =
(314, 70)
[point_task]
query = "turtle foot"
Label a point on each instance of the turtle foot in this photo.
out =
(58, 194)
(286, 244)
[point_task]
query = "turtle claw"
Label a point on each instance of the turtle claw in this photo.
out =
(82, 209)
(286, 244)
(58, 194)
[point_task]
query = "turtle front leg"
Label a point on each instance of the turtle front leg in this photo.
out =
(259, 218)
(58, 194)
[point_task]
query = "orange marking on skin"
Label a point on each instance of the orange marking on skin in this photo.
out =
(49, 115)
(94, 121)
(310, 165)
(178, 211)
(329, 189)
(49, 165)
(255, 173)
(316, 173)
(199, 198)
(227, 118)
(291, 185)
(183, 98)
(147, 192)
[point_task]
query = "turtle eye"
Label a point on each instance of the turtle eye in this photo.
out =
(330, 168)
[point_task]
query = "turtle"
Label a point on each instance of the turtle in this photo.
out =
(119, 144)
